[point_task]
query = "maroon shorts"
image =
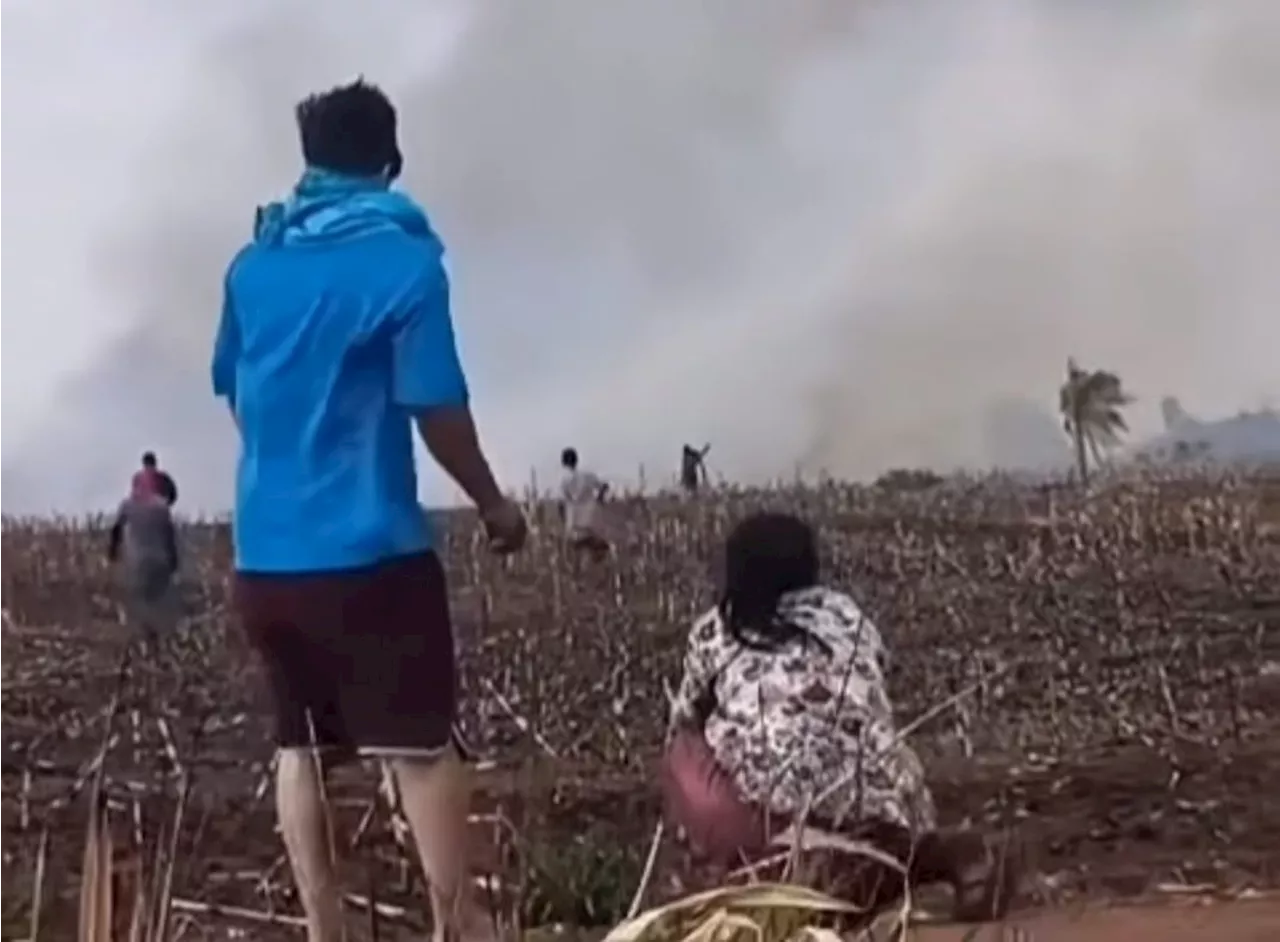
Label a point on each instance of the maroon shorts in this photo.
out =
(360, 660)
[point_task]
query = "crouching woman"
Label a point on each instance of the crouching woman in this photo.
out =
(782, 718)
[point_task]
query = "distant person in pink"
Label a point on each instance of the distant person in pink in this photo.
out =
(149, 479)
(144, 540)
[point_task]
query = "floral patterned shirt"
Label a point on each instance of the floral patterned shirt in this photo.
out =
(802, 727)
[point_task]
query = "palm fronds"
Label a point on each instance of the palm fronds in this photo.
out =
(1091, 403)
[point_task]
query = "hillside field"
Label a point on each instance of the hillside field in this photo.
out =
(1100, 673)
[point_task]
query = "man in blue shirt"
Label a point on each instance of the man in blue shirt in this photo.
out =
(335, 340)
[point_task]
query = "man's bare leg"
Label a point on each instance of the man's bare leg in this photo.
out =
(300, 805)
(436, 796)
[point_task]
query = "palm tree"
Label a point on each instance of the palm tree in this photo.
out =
(1091, 402)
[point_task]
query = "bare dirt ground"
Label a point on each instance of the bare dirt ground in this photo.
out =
(1101, 676)
(1253, 921)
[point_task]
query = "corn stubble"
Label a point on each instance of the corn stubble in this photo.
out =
(1101, 671)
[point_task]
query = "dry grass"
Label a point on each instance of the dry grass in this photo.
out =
(1110, 664)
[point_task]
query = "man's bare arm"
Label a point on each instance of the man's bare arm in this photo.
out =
(117, 535)
(449, 432)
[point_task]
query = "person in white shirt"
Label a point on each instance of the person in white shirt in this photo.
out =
(582, 493)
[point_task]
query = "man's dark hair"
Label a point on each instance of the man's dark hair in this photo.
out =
(148, 459)
(569, 458)
(350, 129)
(766, 556)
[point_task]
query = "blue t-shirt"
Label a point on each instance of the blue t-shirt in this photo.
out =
(335, 331)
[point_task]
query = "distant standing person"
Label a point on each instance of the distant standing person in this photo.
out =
(144, 530)
(336, 339)
(150, 478)
(693, 469)
(583, 494)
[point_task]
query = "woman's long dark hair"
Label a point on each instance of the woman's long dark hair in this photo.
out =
(766, 556)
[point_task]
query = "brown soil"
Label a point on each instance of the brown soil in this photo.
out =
(1129, 728)
(1253, 921)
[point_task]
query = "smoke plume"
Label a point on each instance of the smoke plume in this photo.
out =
(818, 235)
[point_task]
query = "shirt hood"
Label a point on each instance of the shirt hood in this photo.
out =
(327, 208)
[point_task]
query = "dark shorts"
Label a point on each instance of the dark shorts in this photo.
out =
(359, 660)
(150, 581)
(149, 595)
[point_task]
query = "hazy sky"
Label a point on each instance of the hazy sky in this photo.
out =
(844, 234)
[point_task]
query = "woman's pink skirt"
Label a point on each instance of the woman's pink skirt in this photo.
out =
(721, 825)
(701, 798)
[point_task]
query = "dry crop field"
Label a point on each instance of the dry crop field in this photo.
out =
(1101, 674)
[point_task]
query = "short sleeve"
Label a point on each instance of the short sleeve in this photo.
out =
(226, 348)
(427, 372)
(700, 669)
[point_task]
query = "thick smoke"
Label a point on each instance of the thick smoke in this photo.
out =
(824, 234)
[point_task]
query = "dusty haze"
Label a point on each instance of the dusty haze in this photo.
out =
(828, 234)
